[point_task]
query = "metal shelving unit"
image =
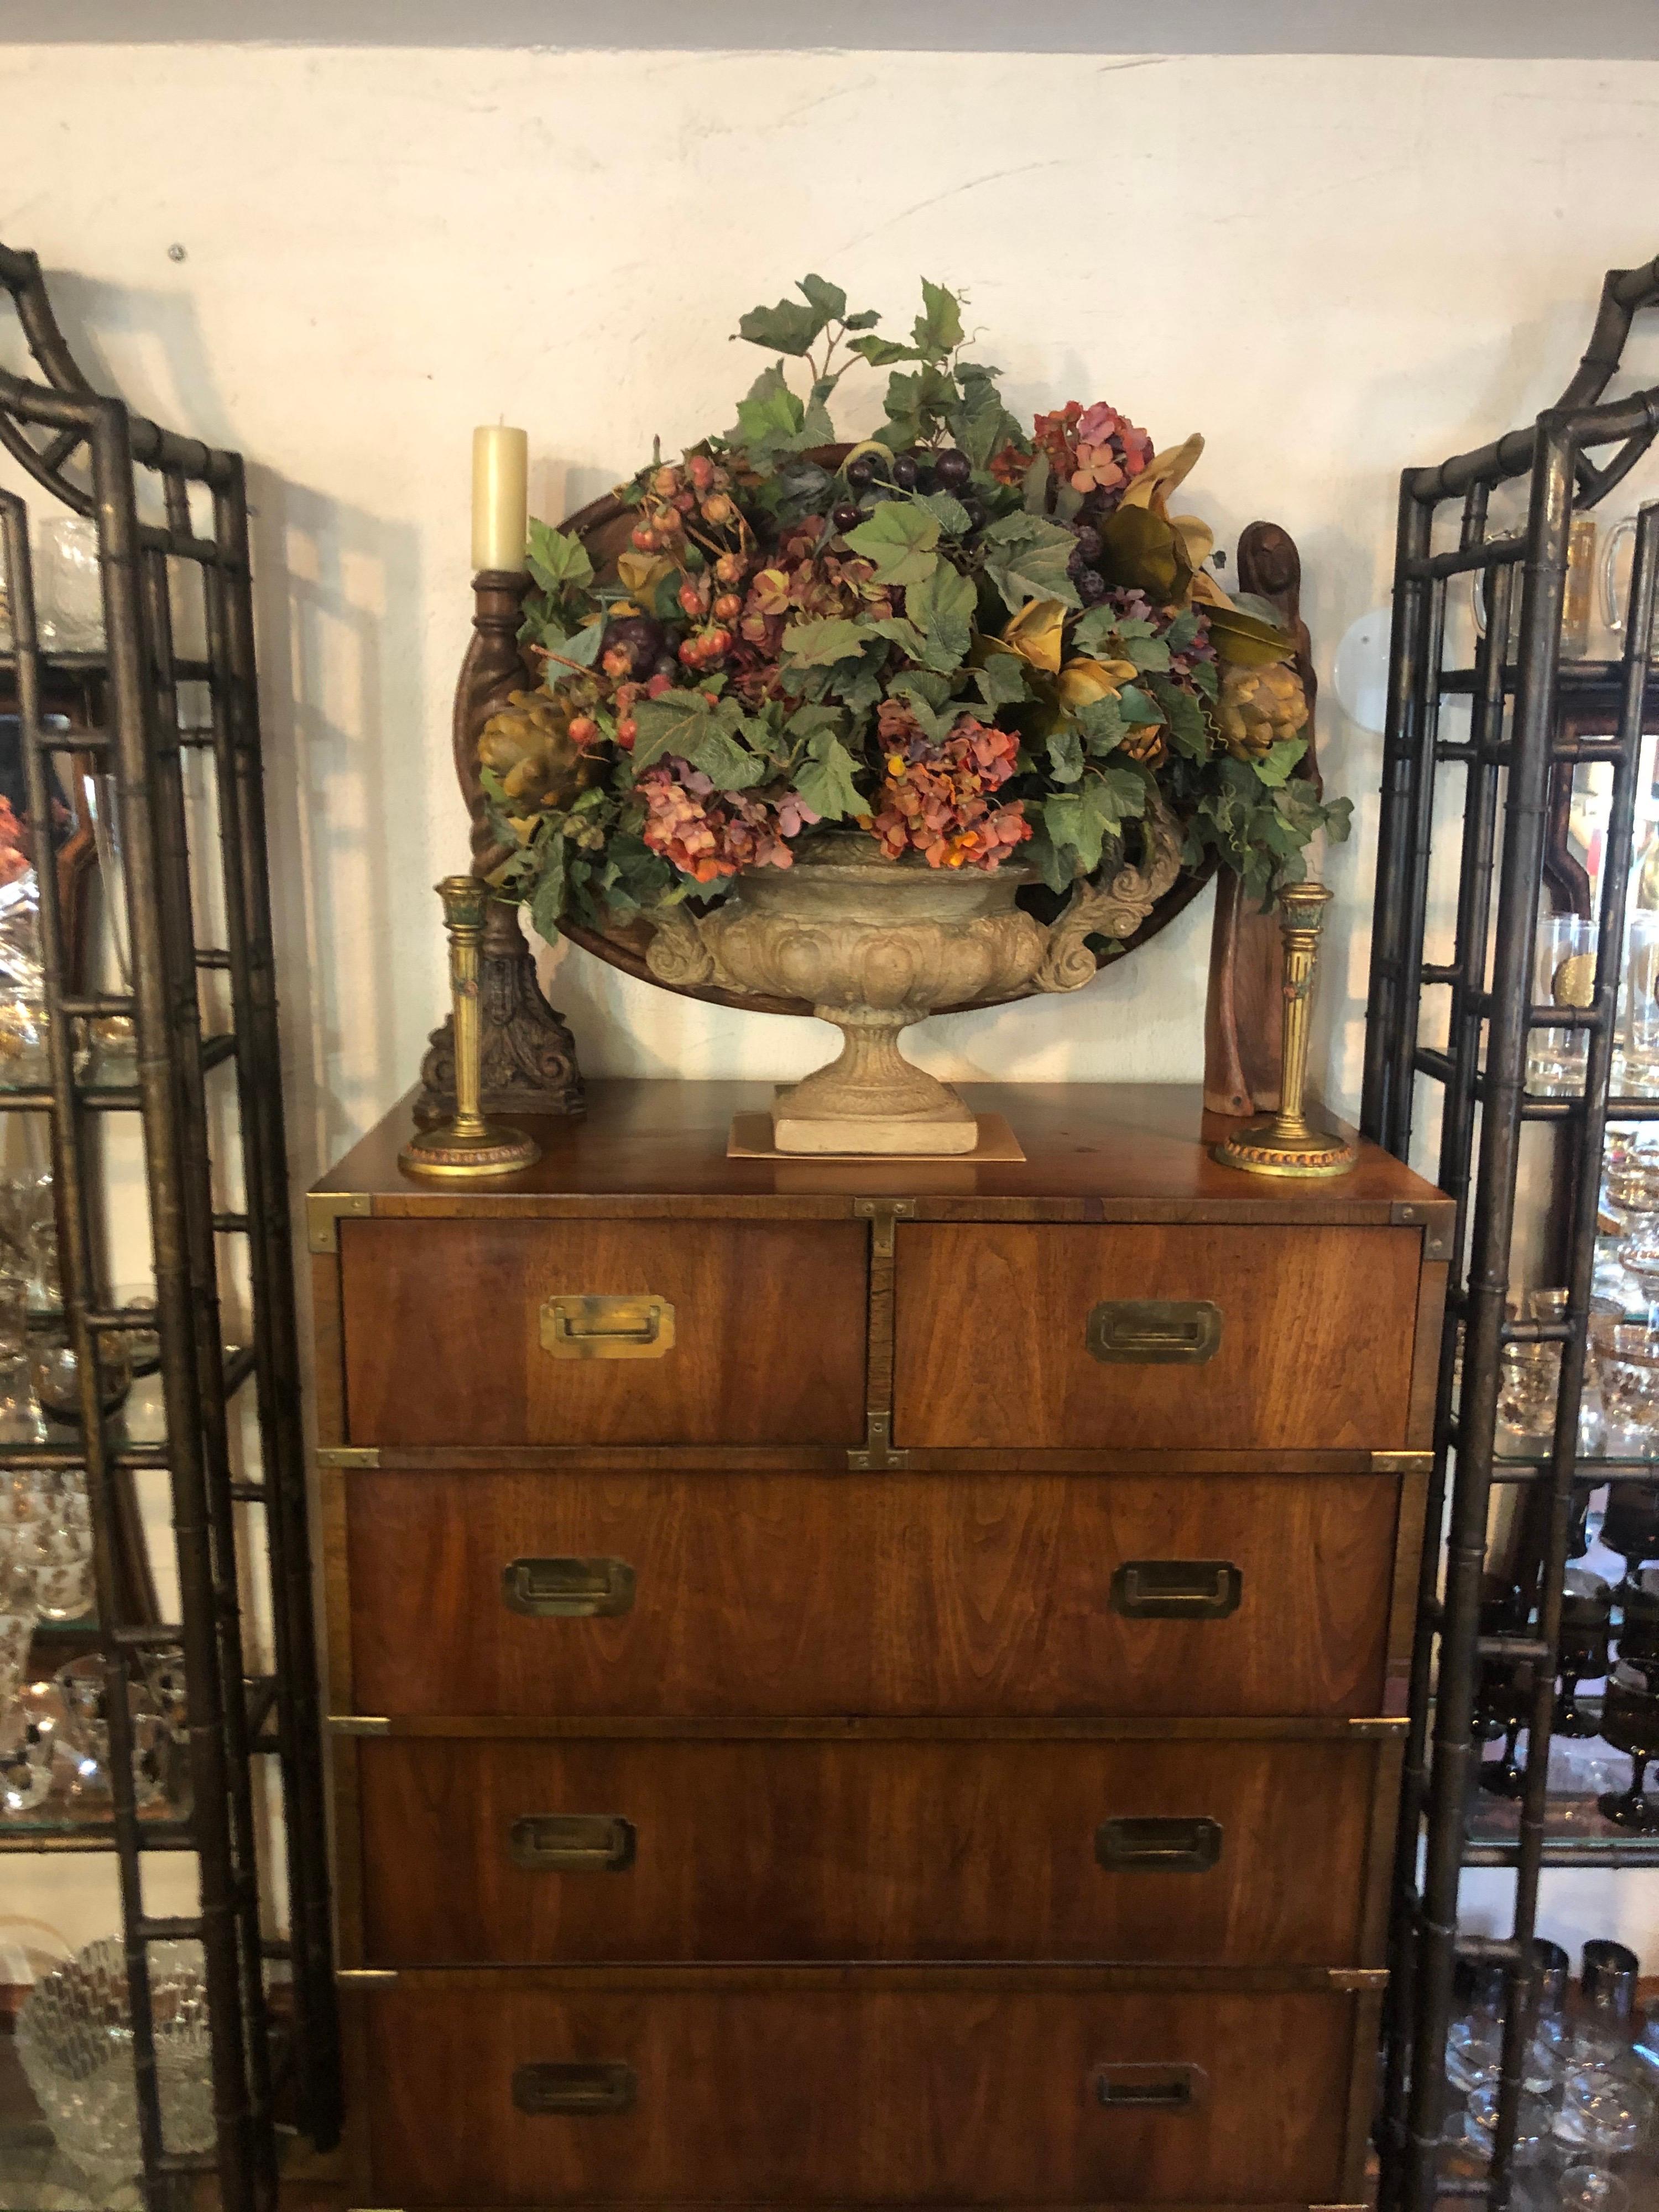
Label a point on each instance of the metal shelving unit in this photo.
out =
(166, 508)
(1524, 735)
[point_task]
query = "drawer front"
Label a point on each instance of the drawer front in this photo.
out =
(486, 2096)
(604, 1332)
(900, 1595)
(1203, 1852)
(1151, 1336)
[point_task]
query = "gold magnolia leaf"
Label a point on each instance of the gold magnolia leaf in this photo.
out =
(1082, 680)
(1248, 642)
(1140, 550)
(1208, 592)
(641, 572)
(1161, 474)
(1036, 634)
(1197, 539)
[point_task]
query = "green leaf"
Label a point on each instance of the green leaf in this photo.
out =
(916, 406)
(881, 353)
(634, 878)
(1026, 557)
(1138, 705)
(1070, 825)
(1149, 655)
(1183, 629)
(820, 644)
(937, 713)
(582, 650)
(1188, 727)
(1034, 489)
(729, 765)
(902, 632)
(770, 416)
(1001, 680)
(547, 900)
(1118, 791)
(942, 604)
(672, 724)
(1094, 633)
(1057, 869)
(1065, 756)
(899, 538)
(952, 516)
(1281, 756)
(557, 559)
(826, 299)
(856, 684)
(789, 327)
(825, 778)
(980, 423)
(937, 329)
(1103, 725)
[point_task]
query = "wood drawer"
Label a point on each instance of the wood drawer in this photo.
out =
(1313, 1328)
(891, 1594)
(833, 2095)
(444, 1331)
(824, 1849)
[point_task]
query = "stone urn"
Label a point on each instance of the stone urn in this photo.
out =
(874, 944)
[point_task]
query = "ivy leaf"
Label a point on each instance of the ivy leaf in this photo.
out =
(899, 538)
(579, 650)
(557, 559)
(951, 513)
(1149, 655)
(825, 778)
(672, 724)
(820, 644)
(1094, 633)
(856, 684)
(634, 876)
(1065, 756)
(942, 604)
(789, 327)
(980, 423)
(1001, 680)
(1103, 724)
(1057, 869)
(1183, 629)
(1274, 767)
(937, 329)
(881, 353)
(902, 632)
(916, 406)
(729, 765)
(1188, 727)
(547, 902)
(1120, 792)
(1071, 828)
(937, 716)
(807, 721)
(1033, 490)
(770, 417)
(826, 299)
(1026, 557)
(1138, 705)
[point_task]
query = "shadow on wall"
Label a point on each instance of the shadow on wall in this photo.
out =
(336, 591)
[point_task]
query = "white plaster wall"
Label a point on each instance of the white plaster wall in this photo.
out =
(1330, 265)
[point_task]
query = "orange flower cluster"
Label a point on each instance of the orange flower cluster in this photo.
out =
(933, 797)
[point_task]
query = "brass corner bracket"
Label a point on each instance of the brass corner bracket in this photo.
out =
(326, 1209)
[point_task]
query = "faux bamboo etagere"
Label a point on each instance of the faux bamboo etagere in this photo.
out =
(1534, 720)
(171, 516)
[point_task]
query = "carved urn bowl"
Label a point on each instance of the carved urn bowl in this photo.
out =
(874, 944)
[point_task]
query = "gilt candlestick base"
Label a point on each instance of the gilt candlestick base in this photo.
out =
(467, 1145)
(1286, 1143)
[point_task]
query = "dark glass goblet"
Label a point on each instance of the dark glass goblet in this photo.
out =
(1505, 1693)
(1581, 1653)
(1630, 1525)
(1638, 1633)
(1630, 1721)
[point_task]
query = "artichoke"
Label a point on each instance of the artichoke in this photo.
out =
(1257, 706)
(527, 745)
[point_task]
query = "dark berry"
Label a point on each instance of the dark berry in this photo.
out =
(859, 473)
(1091, 587)
(974, 511)
(664, 664)
(952, 469)
(640, 636)
(1088, 543)
(905, 471)
(845, 518)
(1075, 564)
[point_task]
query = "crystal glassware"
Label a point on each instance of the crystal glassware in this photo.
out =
(75, 2041)
(1526, 1397)
(1581, 1654)
(56, 1373)
(1642, 999)
(1630, 1388)
(1565, 976)
(1601, 2033)
(1604, 2113)
(1591, 2189)
(85, 1692)
(1474, 2041)
(17, 1619)
(34, 1757)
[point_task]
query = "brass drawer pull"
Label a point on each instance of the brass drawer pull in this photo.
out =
(1150, 1845)
(568, 1590)
(1176, 1589)
(1136, 2088)
(562, 2086)
(1154, 1332)
(572, 1843)
(576, 1325)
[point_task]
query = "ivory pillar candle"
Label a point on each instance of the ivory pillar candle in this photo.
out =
(501, 501)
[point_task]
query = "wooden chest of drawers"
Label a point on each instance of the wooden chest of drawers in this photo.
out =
(868, 1685)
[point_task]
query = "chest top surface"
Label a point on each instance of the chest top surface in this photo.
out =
(1094, 1151)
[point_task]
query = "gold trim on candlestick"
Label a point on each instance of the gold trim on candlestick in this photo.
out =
(468, 1144)
(1286, 1143)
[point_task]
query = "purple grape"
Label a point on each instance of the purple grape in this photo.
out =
(641, 637)
(905, 471)
(845, 517)
(860, 474)
(952, 469)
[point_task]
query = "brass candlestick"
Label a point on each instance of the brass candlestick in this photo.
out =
(467, 1145)
(1286, 1143)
